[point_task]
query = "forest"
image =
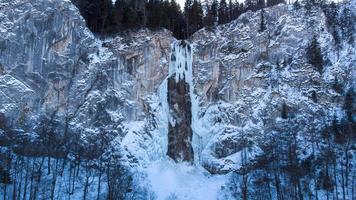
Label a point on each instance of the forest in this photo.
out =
(104, 17)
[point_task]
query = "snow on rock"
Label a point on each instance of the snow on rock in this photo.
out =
(242, 77)
(53, 70)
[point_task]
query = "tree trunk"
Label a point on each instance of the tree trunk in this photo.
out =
(347, 169)
(244, 187)
(269, 190)
(335, 177)
(26, 179)
(70, 178)
(75, 174)
(5, 189)
(343, 183)
(32, 177)
(316, 190)
(300, 191)
(20, 184)
(39, 173)
(86, 185)
(277, 185)
(54, 179)
(48, 165)
(63, 166)
(14, 184)
(99, 179)
(353, 186)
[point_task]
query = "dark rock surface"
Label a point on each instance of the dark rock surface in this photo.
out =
(180, 133)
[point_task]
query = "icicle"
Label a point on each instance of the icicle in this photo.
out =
(181, 62)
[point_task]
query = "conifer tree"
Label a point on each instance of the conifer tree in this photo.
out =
(284, 111)
(193, 12)
(96, 13)
(223, 12)
(230, 10)
(260, 4)
(211, 14)
(274, 2)
(314, 55)
(250, 5)
(262, 23)
(238, 9)
(349, 104)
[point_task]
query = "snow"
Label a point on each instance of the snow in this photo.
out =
(102, 54)
(164, 115)
(133, 140)
(184, 181)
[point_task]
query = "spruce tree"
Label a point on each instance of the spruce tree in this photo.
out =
(284, 111)
(296, 5)
(314, 55)
(223, 12)
(96, 13)
(230, 10)
(275, 2)
(197, 15)
(250, 5)
(350, 104)
(210, 18)
(260, 4)
(237, 10)
(262, 23)
(193, 12)
(187, 12)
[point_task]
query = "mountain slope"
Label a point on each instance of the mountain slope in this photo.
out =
(271, 107)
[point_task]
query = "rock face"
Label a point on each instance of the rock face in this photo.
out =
(102, 106)
(244, 76)
(180, 134)
(66, 94)
(59, 70)
(180, 131)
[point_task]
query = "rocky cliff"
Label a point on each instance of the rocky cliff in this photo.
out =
(244, 76)
(102, 114)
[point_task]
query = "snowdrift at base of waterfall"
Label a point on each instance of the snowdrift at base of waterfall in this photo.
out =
(183, 181)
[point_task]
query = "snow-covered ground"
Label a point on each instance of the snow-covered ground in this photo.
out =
(183, 181)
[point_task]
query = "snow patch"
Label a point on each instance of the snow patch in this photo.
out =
(184, 181)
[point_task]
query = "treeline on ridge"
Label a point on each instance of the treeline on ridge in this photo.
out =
(106, 17)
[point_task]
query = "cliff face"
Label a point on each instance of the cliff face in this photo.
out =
(244, 76)
(110, 110)
(53, 67)
(66, 94)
